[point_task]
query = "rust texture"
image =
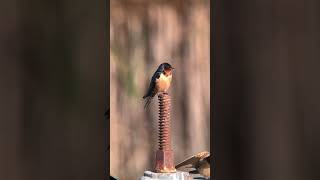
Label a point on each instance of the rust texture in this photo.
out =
(164, 155)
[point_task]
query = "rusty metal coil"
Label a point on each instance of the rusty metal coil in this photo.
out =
(164, 122)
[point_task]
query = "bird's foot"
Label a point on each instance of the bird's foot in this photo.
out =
(165, 93)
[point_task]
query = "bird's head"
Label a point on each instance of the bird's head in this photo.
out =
(166, 68)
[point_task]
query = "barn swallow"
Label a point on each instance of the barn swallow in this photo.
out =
(160, 82)
(200, 162)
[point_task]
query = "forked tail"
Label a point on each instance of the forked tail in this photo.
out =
(148, 100)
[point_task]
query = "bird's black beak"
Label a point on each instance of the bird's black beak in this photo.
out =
(172, 67)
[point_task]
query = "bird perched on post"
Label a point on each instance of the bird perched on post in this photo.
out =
(200, 162)
(160, 82)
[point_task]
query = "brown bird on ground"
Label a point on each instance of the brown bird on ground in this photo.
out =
(200, 162)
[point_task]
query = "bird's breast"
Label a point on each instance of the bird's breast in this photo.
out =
(163, 82)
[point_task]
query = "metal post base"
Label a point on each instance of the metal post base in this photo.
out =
(179, 175)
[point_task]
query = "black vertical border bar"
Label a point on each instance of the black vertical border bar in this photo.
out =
(107, 93)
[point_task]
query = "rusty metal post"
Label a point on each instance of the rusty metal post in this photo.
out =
(164, 155)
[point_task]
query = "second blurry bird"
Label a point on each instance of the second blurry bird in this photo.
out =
(200, 162)
(160, 82)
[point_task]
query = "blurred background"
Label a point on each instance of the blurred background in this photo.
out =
(54, 72)
(266, 89)
(53, 78)
(144, 34)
